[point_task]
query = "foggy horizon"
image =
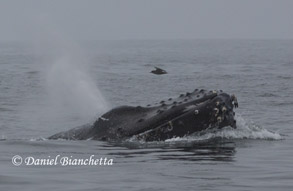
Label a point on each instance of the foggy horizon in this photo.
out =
(146, 20)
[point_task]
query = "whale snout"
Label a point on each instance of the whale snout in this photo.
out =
(223, 111)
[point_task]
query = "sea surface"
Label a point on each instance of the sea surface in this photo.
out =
(54, 86)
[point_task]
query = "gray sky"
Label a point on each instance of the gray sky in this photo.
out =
(147, 19)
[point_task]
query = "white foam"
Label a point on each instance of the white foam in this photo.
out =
(38, 139)
(244, 130)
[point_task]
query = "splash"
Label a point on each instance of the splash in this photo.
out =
(245, 130)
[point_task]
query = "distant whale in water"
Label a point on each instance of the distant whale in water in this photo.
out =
(189, 113)
(158, 71)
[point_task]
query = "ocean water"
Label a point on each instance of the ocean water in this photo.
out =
(48, 89)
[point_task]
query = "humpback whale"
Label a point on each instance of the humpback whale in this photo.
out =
(175, 117)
